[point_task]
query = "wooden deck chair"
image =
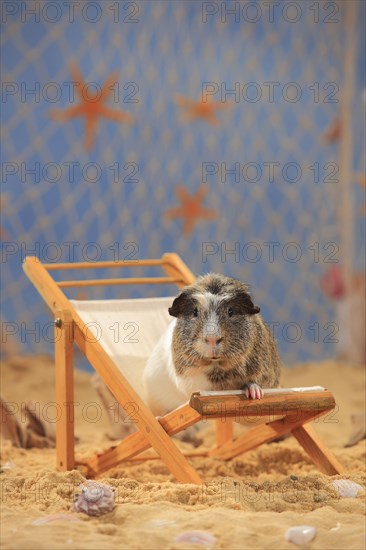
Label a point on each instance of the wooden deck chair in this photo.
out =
(286, 411)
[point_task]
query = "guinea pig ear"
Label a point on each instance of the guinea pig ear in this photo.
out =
(253, 310)
(181, 305)
(248, 305)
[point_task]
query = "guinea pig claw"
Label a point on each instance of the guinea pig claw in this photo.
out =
(253, 391)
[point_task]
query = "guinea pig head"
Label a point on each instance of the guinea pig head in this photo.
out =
(214, 320)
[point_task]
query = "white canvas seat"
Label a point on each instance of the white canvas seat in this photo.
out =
(127, 329)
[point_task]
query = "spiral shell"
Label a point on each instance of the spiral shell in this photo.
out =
(94, 499)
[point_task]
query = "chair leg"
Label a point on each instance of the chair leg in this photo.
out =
(65, 439)
(224, 431)
(317, 451)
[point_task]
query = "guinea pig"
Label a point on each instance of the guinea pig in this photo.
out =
(217, 341)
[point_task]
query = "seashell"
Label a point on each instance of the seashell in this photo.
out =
(196, 537)
(347, 488)
(300, 534)
(94, 499)
(54, 517)
(337, 527)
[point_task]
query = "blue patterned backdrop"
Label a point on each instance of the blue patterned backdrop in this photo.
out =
(153, 174)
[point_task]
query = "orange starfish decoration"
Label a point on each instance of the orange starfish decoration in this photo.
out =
(334, 132)
(205, 110)
(92, 107)
(191, 208)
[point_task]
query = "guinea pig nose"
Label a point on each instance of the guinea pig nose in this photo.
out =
(213, 340)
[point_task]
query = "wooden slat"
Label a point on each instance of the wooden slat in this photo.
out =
(262, 434)
(317, 451)
(98, 265)
(239, 407)
(64, 376)
(127, 281)
(136, 443)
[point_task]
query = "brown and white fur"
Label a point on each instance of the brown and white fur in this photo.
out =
(218, 341)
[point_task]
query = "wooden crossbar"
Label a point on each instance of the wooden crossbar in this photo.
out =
(107, 264)
(239, 407)
(128, 281)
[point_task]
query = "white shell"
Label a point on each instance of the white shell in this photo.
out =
(95, 499)
(300, 534)
(347, 488)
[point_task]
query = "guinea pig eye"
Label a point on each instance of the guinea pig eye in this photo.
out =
(230, 312)
(195, 312)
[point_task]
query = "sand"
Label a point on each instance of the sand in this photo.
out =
(248, 502)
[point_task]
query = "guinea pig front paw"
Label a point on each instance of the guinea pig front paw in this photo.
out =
(253, 391)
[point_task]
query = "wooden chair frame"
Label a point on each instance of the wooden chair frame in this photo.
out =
(295, 409)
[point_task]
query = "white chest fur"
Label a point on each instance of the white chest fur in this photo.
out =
(164, 389)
